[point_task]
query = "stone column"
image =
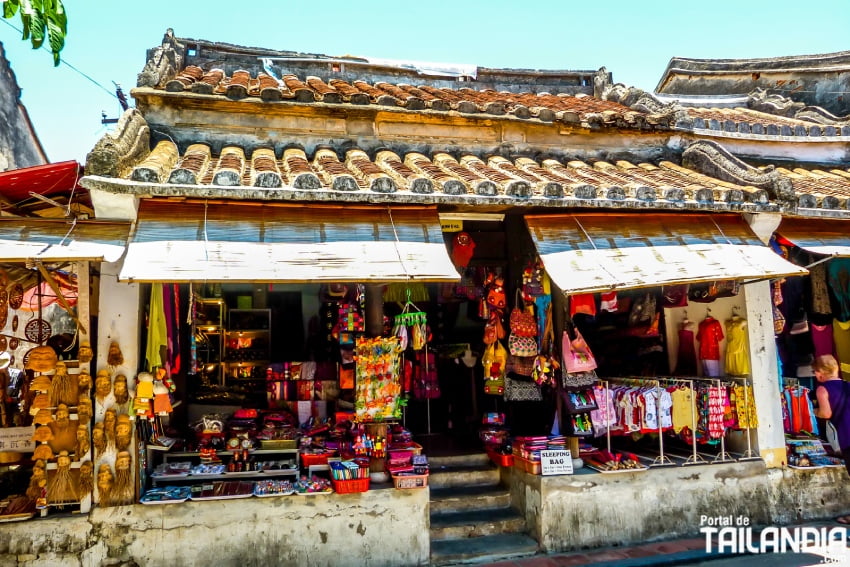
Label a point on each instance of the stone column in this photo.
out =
(374, 310)
(770, 436)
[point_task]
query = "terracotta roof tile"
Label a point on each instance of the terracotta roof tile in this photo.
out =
(605, 183)
(748, 121)
(817, 188)
(335, 173)
(349, 93)
(297, 170)
(580, 109)
(402, 173)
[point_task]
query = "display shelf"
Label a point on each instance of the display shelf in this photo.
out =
(254, 475)
(285, 462)
(208, 332)
(226, 453)
(247, 344)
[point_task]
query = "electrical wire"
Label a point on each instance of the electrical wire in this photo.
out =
(63, 61)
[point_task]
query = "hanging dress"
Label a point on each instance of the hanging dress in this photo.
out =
(737, 351)
(709, 335)
(686, 360)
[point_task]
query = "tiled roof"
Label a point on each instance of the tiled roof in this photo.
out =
(747, 121)
(820, 188)
(579, 108)
(813, 123)
(518, 180)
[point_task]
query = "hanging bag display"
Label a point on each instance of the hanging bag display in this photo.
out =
(522, 320)
(522, 346)
(521, 391)
(494, 360)
(522, 340)
(576, 353)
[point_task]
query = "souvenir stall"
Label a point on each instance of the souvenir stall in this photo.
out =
(655, 367)
(812, 318)
(46, 460)
(280, 371)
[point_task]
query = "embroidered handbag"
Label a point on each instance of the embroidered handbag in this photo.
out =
(576, 352)
(521, 391)
(522, 346)
(522, 320)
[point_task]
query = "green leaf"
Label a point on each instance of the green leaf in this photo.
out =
(10, 8)
(37, 29)
(56, 37)
(25, 20)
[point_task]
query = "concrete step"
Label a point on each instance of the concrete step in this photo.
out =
(463, 498)
(483, 549)
(465, 460)
(476, 475)
(476, 523)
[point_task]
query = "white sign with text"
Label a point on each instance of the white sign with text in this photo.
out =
(556, 462)
(18, 439)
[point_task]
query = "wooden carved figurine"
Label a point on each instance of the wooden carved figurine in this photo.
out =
(86, 478)
(104, 485)
(60, 489)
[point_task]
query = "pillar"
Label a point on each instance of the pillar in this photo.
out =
(118, 320)
(770, 436)
(374, 310)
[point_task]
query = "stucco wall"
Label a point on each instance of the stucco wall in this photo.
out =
(19, 146)
(376, 528)
(589, 510)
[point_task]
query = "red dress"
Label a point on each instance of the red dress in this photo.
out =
(709, 335)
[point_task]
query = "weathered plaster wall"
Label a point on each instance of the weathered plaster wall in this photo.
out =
(599, 510)
(19, 146)
(380, 527)
(118, 320)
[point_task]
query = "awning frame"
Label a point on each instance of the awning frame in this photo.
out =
(633, 251)
(229, 242)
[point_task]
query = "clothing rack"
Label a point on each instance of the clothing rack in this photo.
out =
(661, 459)
(723, 456)
(695, 458)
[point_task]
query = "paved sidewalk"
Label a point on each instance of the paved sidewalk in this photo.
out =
(685, 551)
(674, 552)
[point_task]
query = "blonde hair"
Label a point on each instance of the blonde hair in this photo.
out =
(827, 364)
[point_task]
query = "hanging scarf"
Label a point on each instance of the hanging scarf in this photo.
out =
(157, 331)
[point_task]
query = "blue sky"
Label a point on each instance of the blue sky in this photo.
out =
(107, 41)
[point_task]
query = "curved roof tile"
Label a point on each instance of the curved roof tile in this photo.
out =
(579, 109)
(518, 179)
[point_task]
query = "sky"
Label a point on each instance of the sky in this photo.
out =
(107, 42)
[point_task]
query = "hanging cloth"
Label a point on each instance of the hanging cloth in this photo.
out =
(838, 273)
(157, 329)
(174, 330)
(737, 349)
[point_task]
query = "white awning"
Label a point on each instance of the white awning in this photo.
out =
(55, 240)
(589, 253)
(830, 237)
(253, 242)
